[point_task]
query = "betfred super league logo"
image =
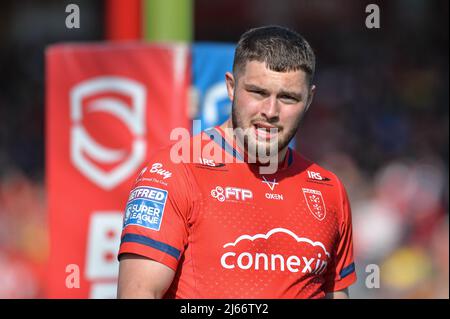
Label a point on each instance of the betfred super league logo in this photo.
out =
(315, 203)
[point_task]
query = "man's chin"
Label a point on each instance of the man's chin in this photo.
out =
(261, 150)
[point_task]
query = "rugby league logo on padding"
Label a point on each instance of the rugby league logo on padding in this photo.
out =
(122, 99)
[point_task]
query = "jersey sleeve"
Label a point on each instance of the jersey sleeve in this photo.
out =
(343, 272)
(158, 211)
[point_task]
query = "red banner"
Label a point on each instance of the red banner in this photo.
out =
(109, 108)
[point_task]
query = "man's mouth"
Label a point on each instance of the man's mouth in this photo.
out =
(265, 131)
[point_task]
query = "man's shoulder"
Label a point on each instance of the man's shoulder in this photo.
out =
(179, 154)
(314, 171)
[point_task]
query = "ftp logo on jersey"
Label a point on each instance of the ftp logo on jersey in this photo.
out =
(316, 176)
(234, 193)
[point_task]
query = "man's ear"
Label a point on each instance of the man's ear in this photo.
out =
(311, 92)
(230, 81)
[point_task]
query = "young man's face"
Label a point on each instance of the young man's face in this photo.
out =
(263, 100)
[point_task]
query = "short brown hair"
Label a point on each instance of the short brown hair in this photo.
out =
(280, 48)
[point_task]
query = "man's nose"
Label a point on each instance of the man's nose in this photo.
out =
(270, 108)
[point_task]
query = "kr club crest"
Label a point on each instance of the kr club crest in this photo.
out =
(315, 203)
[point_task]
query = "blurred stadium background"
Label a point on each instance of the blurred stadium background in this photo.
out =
(379, 121)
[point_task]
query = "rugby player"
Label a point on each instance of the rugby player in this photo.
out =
(215, 224)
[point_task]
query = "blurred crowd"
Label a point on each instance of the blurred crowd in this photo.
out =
(379, 121)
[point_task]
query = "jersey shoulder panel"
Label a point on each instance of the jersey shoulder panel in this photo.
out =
(318, 174)
(159, 210)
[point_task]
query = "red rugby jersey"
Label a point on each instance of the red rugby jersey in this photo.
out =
(230, 232)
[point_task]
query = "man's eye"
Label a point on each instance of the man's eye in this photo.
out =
(257, 92)
(288, 99)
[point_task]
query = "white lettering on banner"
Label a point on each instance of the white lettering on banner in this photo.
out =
(86, 153)
(104, 290)
(102, 245)
(102, 267)
(156, 168)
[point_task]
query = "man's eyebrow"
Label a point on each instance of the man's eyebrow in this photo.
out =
(296, 95)
(249, 86)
